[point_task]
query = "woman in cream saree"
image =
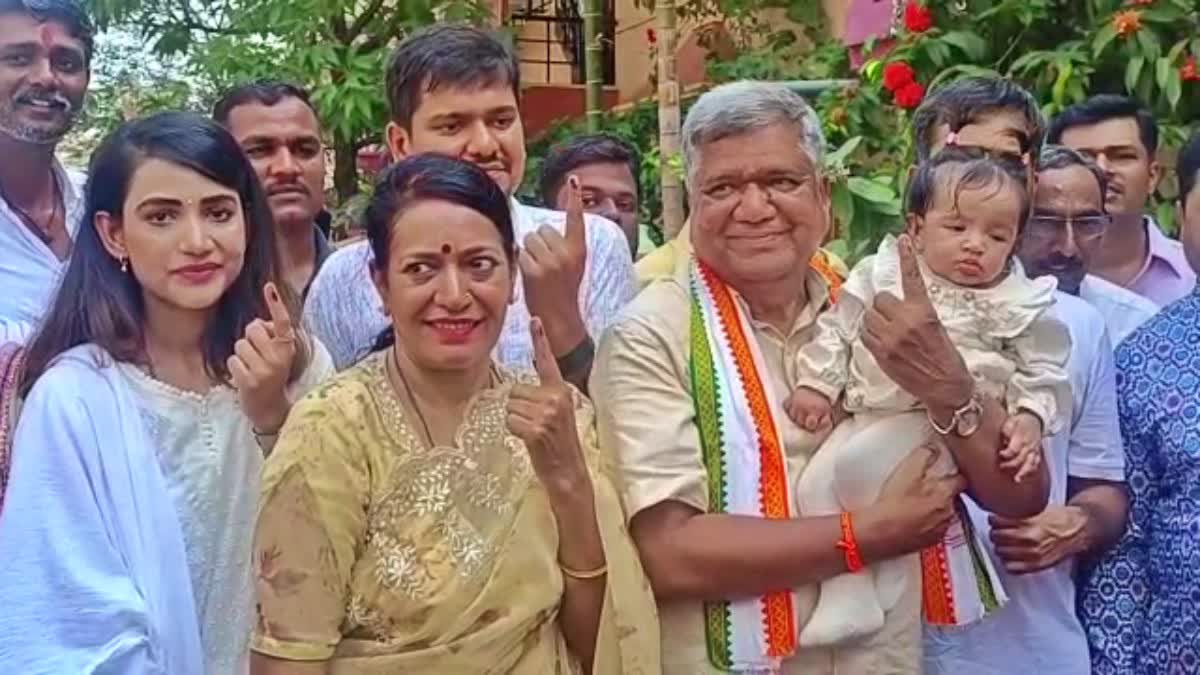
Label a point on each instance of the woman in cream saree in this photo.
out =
(381, 550)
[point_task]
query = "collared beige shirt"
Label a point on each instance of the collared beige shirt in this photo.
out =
(646, 418)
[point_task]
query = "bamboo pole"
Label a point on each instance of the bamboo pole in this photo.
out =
(593, 55)
(668, 119)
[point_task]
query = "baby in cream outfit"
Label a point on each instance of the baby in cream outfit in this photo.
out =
(965, 216)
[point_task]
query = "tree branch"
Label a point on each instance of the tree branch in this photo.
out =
(337, 23)
(360, 24)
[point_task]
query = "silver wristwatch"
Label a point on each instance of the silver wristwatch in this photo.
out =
(965, 421)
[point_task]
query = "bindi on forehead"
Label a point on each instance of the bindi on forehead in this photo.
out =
(447, 249)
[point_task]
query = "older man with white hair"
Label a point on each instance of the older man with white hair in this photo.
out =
(689, 382)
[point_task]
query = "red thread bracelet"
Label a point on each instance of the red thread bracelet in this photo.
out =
(849, 544)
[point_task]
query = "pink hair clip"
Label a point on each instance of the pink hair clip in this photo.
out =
(952, 138)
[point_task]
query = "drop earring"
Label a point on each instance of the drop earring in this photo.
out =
(124, 265)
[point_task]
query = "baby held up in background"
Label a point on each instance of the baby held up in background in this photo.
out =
(965, 214)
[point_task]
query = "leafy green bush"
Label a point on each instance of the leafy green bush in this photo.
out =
(1062, 51)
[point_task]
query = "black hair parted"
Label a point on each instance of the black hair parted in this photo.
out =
(431, 176)
(99, 303)
(447, 55)
(1105, 107)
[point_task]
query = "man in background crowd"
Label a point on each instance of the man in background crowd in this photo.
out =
(609, 172)
(1121, 135)
(45, 59)
(454, 90)
(278, 129)
(1066, 230)
(1139, 603)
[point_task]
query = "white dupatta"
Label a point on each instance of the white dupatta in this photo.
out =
(93, 572)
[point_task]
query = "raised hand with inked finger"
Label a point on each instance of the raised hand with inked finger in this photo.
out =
(908, 341)
(552, 267)
(543, 416)
(261, 362)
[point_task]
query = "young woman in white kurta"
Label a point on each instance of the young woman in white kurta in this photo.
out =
(167, 363)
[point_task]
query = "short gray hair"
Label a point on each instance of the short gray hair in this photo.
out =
(1062, 157)
(742, 107)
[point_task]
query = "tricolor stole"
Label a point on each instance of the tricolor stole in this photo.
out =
(744, 459)
(959, 583)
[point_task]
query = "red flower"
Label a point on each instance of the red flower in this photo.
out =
(651, 36)
(909, 96)
(897, 74)
(1188, 71)
(917, 18)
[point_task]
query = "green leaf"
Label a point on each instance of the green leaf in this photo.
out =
(1162, 70)
(1104, 37)
(889, 208)
(838, 247)
(870, 190)
(1173, 55)
(1133, 71)
(1174, 88)
(970, 43)
(1151, 48)
(1058, 92)
(838, 157)
(871, 70)
(1161, 15)
(1030, 59)
(843, 207)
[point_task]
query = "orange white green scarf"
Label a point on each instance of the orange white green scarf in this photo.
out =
(747, 471)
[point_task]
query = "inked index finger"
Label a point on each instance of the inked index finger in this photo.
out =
(281, 319)
(574, 231)
(911, 280)
(544, 362)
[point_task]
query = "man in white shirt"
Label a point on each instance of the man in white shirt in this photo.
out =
(454, 90)
(1065, 232)
(1037, 631)
(45, 53)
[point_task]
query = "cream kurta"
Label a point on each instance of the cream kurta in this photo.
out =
(645, 413)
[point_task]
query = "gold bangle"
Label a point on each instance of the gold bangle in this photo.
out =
(589, 574)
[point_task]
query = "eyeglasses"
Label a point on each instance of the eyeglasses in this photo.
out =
(1052, 227)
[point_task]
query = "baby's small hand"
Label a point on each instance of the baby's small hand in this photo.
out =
(809, 409)
(1023, 454)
